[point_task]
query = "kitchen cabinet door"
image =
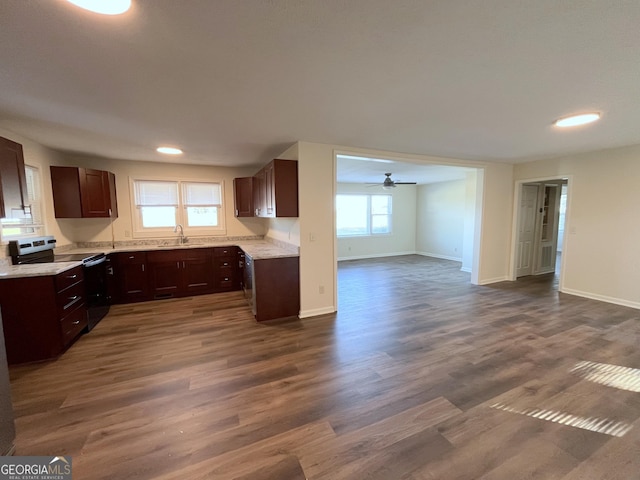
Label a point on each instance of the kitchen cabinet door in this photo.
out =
(165, 273)
(270, 193)
(96, 190)
(282, 193)
(260, 194)
(243, 197)
(83, 193)
(130, 276)
(275, 189)
(13, 183)
(176, 273)
(197, 271)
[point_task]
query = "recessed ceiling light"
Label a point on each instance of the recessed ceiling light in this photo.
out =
(110, 7)
(575, 120)
(169, 150)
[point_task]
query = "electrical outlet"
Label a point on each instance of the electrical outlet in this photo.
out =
(127, 233)
(321, 289)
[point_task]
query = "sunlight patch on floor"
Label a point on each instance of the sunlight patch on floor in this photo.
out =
(623, 378)
(594, 424)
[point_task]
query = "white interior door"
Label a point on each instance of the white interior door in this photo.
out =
(526, 230)
(549, 209)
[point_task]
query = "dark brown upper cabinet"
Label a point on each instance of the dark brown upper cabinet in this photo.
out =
(83, 193)
(243, 196)
(13, 183)
(275, 190)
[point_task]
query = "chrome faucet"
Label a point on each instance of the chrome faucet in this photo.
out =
(183, 239)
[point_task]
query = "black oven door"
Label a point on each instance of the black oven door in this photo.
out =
(98, 302)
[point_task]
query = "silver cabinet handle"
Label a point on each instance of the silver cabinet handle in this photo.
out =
(77, 322)
(72, 276)
(143, 267)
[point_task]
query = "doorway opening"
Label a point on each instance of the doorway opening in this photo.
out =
(541, 215)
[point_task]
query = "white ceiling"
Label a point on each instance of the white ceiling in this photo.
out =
(236, 82)
(356, 169)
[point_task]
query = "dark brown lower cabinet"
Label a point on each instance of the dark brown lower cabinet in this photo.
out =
(179, 273)
(225, 264)
(198, 272)
(129, 280)
(42, 316)
(276, 288)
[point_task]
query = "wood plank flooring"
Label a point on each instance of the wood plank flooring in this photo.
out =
(402, 383)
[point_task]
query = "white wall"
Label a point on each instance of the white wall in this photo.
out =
(494, 197)
(401, 240)
(470, 200)
(602, 233)
(440, 219)
(316, 179)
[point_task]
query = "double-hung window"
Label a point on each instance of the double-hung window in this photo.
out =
(160, 205)
(363, 214)
(27, 222)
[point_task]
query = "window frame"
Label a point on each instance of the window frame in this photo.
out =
(369, 215)
(139, 231)
(36, 205)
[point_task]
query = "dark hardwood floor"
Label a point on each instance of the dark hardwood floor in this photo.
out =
(420, 375)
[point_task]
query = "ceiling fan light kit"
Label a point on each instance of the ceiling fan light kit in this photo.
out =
(388, 183)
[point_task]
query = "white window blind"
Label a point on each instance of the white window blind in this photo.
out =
(156, 193)
(202, 194)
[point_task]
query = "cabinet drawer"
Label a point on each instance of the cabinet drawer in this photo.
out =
(224, 252)
(132, 257)
(73, 324)
(225, 274)
(70, 299)
(222, 263)
(68, 278)
(226, 283)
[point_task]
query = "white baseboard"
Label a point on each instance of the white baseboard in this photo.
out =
(375, 255)
(443, 257)
(602, 298)
(316, 312)
(488, 281)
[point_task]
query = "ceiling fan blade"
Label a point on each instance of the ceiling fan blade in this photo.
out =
(405, 183)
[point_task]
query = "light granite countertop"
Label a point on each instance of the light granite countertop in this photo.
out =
(36, 269)
(256, 249)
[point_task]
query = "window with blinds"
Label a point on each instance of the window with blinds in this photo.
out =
(21, 223)
(160, 205)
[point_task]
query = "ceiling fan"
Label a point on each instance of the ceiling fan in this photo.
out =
(389, 183)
